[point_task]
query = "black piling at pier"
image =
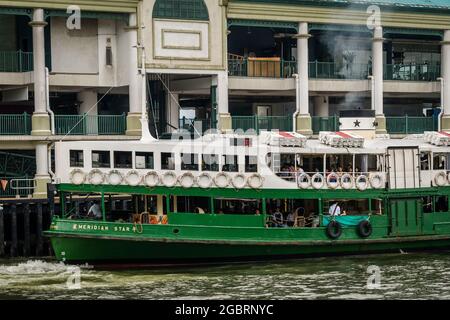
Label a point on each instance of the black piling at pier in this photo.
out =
(22, 223)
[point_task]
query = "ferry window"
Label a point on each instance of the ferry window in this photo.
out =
(424, 161)
(167, 161)
(76, 158)
(441, 204)
(366, 163)
(210, 162)
(251, 164)
(101, 159)
(144, 160)
(123, 159)
(230, 163)
(427, 204)
(189, 161)
(439, 161)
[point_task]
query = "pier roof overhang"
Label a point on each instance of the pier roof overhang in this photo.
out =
(113, 6)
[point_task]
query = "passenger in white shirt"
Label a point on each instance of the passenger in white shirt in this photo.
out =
(95, 211)
(334, 210)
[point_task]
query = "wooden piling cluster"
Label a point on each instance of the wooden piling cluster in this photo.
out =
(21, 229)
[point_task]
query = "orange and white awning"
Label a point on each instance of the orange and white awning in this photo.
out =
(286, 139)
(441, 138)
(341, 139)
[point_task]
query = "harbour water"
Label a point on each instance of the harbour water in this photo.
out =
(401, 276)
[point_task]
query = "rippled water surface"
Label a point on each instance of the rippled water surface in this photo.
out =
(403, 276)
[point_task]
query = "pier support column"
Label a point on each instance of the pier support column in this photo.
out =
(159, 205)
(40, 121)
(134, 127)
(377, 73)
(321, 106)
(445, 104)
(224, 118)
(303, 120)
(42, 177)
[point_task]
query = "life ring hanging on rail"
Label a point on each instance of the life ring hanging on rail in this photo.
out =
(187, 180)
(346, 181)
(204, 180)
(151, 179)
(115, 177)
(255, 181)
(317, 181)
(222, 180)
(133, 178)
(96, 177)
(376, 180)
(303, 180)
(77, 176)
(238, 181)
(333, 180)
(440, 179)
(169, 179)
(361, 182)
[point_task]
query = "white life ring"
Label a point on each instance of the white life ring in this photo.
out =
(239, 181)
(77, 176)
(317, 184)
(115, 177)
(187, 180)
(255, 181)
(133, 178)
(222, 180)
(96, 177)
(335, 183)
(303, 180)
(362, 182)
(440, 178)
(151, 179)
(346, 181)
(169, 179)
(376, 180)
(204, 180)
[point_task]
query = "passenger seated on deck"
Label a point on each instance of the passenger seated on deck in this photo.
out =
(94, 211)
(199, 210)
(334, 209)
(277, 218)
(290, 220)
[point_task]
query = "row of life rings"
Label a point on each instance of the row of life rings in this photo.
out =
(168, 179)
(441, 178)
(346, 181)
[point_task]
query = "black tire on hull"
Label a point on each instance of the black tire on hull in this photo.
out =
(364, 229)
(334, 230)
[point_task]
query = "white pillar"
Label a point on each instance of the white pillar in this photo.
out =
(174, 111)
(42, 176)
(377, 73)
(445, 74)
(88, 100)
(134, 114)
(224, 118)
(303, 121)
(40, 121)
(321, 106)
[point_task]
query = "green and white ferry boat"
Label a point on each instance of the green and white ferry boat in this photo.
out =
(233, 197)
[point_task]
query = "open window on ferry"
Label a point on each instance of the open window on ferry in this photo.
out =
(441, 161)
(189, 161)
(441, 204)
(144, 160)
(354, 207)
(339, 163)
(188, 204)
(76, 158)
(123, 159)
(425, 160)
(167, 161)
(296, 213)
(210, 162)
(230, 163)
(101, 159)
(238, 206)
(251, 164)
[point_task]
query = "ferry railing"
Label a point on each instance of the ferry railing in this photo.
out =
(411, 125)
(334, 70)
(261, 67)
(15, 124)
(23, 187)
(293, 176)
(258, 123)
(412, 72)
(90, 124)
(16, 61)
(330, 123)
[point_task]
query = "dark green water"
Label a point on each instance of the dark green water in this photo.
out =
(402, 276)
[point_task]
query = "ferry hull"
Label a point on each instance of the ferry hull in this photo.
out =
(107, 250)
